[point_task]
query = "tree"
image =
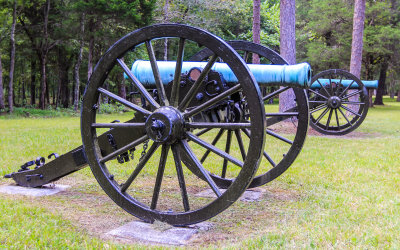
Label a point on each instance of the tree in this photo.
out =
(256, 27)
(1, 85)
(287, 46)
(12, 60)
(38, 32)
(324, 37)
(357, 41)
(78, 62)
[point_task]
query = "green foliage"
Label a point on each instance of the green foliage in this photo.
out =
(31, 112)
(229, 19)
(108, 108)
(324, 33)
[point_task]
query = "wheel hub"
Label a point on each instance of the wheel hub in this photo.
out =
(334, 102)
(165, 125)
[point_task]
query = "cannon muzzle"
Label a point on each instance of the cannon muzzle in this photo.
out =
(298, 75)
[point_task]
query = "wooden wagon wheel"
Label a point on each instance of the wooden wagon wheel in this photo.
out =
(280, 151)
(166, 125)
(338, 102)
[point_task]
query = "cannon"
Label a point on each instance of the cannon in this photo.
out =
(154, 159)
(338, 101)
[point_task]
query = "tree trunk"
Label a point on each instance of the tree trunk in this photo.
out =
(78, 65)
(33, 82)
(23, 93)
(357, 40)
(398, 96)
(12, 60)
(381, 83)
(1, 86)
(166, 20)
(42, 103)
(357, 46)
(256, 27)
(91, 47)
(287, 46)
(121, 86)
(63, 66)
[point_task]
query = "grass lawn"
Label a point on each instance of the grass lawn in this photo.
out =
(341, 192)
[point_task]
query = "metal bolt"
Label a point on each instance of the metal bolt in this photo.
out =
(199, 96)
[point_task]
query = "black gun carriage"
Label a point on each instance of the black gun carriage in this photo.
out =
(188, 104)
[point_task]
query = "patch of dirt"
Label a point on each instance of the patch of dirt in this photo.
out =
(93, 212)
(353, 134)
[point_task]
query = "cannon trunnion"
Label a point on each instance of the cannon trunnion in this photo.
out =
(168, 146)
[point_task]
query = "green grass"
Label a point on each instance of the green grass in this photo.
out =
(341, 192)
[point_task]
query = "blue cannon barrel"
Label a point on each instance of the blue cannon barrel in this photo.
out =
(298, 75)
(368, 84)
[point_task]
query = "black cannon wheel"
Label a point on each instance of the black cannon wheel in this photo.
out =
(275, 163)
(337, 108)
(165, 125)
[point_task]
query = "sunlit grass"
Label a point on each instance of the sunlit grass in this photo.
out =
(341, 192)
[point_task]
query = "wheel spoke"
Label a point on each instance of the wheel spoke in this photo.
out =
(240, 143)
(269, 132)
(345, 90)
(212, 101)
(160, 173)
(157, 77)
(345, 117)
(214, 149)
(227, 149)
(246, 56)
(329, 119)
(283, 114)
(177, 76)
(351, 111)
(124, 149)
(338, 87)
(216, 139)
(196, 85)
(353, 103)
(331, 85)
(225, 125)
(269, 159)
(322, 115)
(276, 119)
(352, 94)
(203, 131)
(192, 157)
(118, 125)
(124, 102)
(317, 102)
(320, 107)
(323, 87)
(337, 118)
(139, 167)
(275, 93)
(181, 178)
(138, 85)
(315, 92)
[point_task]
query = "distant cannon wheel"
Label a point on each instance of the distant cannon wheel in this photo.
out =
(156, 184)
(286, 131)
(338, 102)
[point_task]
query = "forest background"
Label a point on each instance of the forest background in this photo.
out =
(48, 48)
